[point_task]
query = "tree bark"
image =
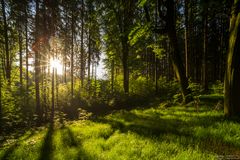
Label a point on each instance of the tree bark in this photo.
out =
(89, 58)
(5, 30)
(20, 58)
(232, 75)
(82, 45)
(37, 64)
(26, 45)
(175, 55)
(186, 37)
(53, 95)
(72, 54)
(124, 25)
(112, 75)
(205, 48)
(156, 73)
(125, 50)
(0, 99)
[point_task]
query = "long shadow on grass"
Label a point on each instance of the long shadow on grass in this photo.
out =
(69, 140)
(47, 149)
(149, 127)
(14, 146)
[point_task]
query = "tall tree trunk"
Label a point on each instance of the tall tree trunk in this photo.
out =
(5, 30)
(65, 66)
(53, 95)
(186, 10)
(232, 76)
(156, 73)
(0, 97)
(26, 46)
(37, 64)
(82, 45)
(147, 65)
(205, 48)
(175, 55)
(89, 58)
(92, 70)
(20, 58)
(44, 63)
(95, 80)
(72, 54)
(112, 75)
(125, 50)
(125, 29)
(56, 75)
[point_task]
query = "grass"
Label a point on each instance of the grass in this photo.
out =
(157, 132)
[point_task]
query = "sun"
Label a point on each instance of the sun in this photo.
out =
(56, 64)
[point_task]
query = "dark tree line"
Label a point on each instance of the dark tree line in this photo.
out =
(189, 41)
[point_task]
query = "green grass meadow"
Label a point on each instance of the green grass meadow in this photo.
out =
(156, 132)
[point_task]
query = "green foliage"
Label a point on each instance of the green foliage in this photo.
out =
(15, 111)
(141, 3)
(160, 52)
(195, 88)
(217, 87)
(140, 86)
(139, 32)
(168, 88)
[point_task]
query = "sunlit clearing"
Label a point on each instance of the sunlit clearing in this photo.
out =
(56, 64)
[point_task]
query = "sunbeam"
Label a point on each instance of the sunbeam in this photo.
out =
(56, 64)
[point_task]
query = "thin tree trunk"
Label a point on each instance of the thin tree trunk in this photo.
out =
(45, 63)
(0, 98)
(20, 58)
(65, 67)
(112, 75)
(89, 58)
(56, 75)
(125, 50)
(72, 54)
(156, 74)
(82, 45)
(95, 80)
(5, 30)
(26, 43)
(37, 65)
(232, 76)
(53, 95)
(147, 66)
(205, 43)
(186, 37)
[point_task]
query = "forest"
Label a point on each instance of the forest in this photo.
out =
(119, 79)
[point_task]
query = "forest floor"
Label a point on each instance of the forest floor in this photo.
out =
(155, 132)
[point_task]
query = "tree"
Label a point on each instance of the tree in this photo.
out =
(0, 96)
(18, 14)
(72, 53)
(26, 50)
(124, 15)
(37, 62)
(232, 75)
(186, 12)
(82, 45)
(6, 42)
(205, 47)
(175, 55)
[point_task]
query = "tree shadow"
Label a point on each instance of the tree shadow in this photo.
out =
(47, 148)
(11, 149)
(70, 140)
(152, 127)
